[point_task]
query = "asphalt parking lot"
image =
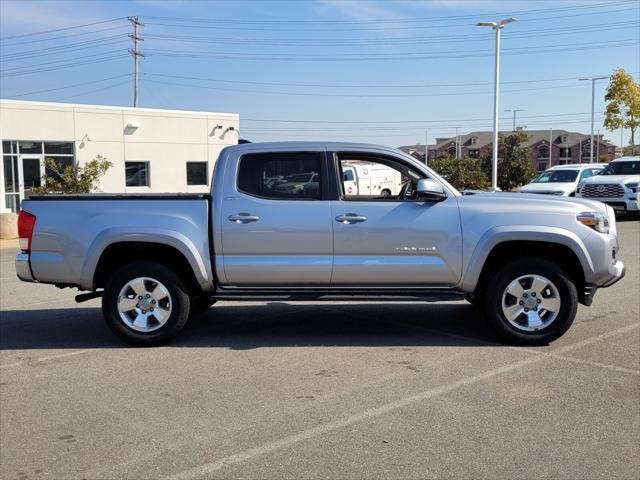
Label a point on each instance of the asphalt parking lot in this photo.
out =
(340, 390)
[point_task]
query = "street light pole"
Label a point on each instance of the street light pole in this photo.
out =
(497, 26)
(426, 146)
(514, 110)
(593, 103)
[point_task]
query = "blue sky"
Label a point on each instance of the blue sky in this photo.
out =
(373, 71)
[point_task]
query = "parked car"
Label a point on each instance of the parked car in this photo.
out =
(525, 260)
(562, 180)
(299, 182)
(616, 185)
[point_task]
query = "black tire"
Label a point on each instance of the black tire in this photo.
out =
(472, 299)
(178, 298)
(566, 289)
(200, 304)
(385, 193)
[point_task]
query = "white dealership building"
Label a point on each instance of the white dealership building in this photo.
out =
(152, 150)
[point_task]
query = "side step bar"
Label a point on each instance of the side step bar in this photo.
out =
(378, 296)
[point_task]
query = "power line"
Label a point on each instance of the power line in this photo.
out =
(58, 37)
(395, 56)
(390, 20)
(47, 50)
(352, 95)
(17, 57)
(12, 69)
(68, 65)
(92, 91)
(378, 122)
(338, 85)
(323, 42)
(42, 32)
(378, 28)
(25, 94)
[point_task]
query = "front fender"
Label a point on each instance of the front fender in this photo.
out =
(505, 233)
(170, 238)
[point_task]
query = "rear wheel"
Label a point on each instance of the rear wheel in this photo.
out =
(145, 304)
(531, 302)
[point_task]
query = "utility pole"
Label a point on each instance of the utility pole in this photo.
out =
(598, 146)
(514, 110)
(593, 100)
(136, 54)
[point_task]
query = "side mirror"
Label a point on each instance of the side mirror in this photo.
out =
(430, 190)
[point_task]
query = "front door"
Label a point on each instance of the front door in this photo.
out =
(275, 222)
(394, 240)
(31, 174)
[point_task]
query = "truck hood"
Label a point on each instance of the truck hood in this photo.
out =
(564, 187)
(533, 203)
(602, 179)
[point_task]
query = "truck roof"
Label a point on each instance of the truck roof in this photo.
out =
(330, 144)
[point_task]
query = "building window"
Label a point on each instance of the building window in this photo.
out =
(137, 174)
(543, 152)
(473, 140)
(30, 147)
(474, 153)
(564, 139)
(22, 163)
(196, 173)
(542, 166)
(565, 152)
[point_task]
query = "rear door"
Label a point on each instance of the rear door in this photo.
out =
(394, 240)
(276, 234)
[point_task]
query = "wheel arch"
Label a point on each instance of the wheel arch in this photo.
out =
(112, 249)
(500, 245)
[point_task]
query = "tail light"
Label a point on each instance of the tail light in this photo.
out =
(26, 222)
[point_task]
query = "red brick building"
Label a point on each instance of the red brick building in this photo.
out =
(566, 147)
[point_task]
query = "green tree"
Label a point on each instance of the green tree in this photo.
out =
(514, 167)
(73, 179)
(463, 174)
(623, 104)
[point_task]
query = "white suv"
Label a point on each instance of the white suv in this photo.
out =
(562, 179)
(615, 185)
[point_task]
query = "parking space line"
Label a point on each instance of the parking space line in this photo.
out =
(51, 357)
(606, 366)
(208, 469)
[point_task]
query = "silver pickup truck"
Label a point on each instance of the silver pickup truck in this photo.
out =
(525, 260)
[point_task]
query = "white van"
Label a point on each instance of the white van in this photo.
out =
(370, 179)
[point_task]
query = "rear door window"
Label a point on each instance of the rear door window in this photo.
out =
(281, 176)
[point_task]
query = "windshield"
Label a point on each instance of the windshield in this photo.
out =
(621, 168)
(557, 176)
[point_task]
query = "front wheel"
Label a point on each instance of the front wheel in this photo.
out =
(531, 302)
(145, 304)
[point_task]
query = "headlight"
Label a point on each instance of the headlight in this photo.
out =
(633, 186)
(580, 185)
(596, 220)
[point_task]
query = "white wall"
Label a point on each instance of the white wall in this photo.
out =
(165, 138)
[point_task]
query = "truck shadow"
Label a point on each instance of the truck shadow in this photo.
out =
(244, 326)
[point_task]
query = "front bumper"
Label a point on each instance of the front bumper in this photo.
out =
(616, 272)
(23, 269)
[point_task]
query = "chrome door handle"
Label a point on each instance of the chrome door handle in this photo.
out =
(349, 218)
(243, 217)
